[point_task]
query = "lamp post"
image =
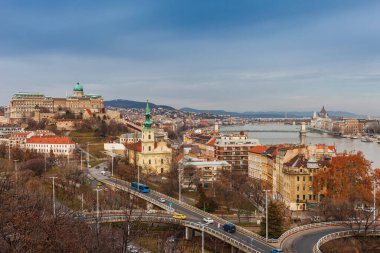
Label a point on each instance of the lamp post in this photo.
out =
(266, 214)
(9, 150)
(81, 160)
(45, 163)
(112, 162)
(16, 173)
(203, 238)
(97, 208)
(179, 184)
(88, 155)
(53, 195)
(374, 201)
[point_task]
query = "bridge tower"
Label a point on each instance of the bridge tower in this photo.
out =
(302, 134)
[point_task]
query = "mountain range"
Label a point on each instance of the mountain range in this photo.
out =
(122, 103)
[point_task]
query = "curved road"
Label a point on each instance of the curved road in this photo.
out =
(304, 241)
(191, 215)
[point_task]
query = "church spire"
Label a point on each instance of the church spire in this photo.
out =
(148, 121)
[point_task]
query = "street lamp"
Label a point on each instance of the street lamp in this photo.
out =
(97, 208)
(16, 173)
(179, 184)
(374, 201)
(112, 161)
(53, 195)
(266, 214)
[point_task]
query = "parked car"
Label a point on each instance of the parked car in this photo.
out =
(276, 251)
(162, 200)
(208, 220)
(103, 172)
(229, 227)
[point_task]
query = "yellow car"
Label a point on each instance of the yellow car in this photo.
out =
(179, 216)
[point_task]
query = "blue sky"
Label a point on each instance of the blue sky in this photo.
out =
(233, 55)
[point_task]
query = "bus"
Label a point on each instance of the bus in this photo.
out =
(142, 187)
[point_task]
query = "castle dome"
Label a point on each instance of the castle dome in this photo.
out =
(78, 87)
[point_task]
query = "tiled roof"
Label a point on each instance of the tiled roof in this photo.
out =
(50, 140)
(211, 142)
(258, 149)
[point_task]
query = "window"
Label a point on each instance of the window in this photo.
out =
(304, 178)
(310, 188)
(314, 197)
(149, 137)
(150, 162)
(150, 148)
(304, 197)
(298, 178)
(303, 187)
(298, 188)
(311, 178)
(309, 196)
(162, 161)
(298, 197)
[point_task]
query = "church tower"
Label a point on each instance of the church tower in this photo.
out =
(147, 138)
(302, 134)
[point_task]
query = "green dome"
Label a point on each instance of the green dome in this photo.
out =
(78, 87)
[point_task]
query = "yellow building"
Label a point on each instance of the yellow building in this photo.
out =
(151, 155)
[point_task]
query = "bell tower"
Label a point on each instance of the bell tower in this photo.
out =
(147, 138)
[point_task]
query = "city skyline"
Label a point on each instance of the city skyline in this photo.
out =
(251, 56)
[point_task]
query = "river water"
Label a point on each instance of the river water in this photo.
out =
(371, 150)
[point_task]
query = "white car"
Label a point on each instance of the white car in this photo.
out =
(103, 172)
(162, 200)
(208, 220)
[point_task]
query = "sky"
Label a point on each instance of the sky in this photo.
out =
(237, 55)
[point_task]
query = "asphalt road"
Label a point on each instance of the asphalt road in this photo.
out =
(191, 215)
(303, 242)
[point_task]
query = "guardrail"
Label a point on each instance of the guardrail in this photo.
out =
(304, 227)
(337, 235)
(241, 246)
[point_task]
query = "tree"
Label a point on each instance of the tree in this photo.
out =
(277, 220)
(205, 203)
(347, 179)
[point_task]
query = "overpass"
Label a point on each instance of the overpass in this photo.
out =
(242, 239)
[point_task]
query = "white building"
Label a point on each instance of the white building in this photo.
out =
(196, 171)
(51, 144)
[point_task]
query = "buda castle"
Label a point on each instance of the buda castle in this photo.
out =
(25, 105)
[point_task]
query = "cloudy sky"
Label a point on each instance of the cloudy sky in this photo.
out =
(238, 55)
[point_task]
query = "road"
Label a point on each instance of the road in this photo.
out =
(304, 241)
(190, 214)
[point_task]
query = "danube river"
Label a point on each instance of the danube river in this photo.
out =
(277, 133)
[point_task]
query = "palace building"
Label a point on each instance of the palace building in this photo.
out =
(25, 105)
(151, 154)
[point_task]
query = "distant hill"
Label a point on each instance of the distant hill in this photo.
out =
(271, 114)
(121, 103)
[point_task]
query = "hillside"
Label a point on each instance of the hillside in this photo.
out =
(122, 103)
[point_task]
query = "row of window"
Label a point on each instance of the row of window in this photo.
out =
(304, 178)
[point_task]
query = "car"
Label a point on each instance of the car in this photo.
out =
(97, 167)
(229, 227)
(132, 249)
(103, 172)
(151, 211)
(179, 216)
(208, 220)
(172, 239)
(276, 251)
(162, 200)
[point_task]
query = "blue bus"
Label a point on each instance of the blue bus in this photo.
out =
(141, 187)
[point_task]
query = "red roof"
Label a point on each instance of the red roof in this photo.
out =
(258, 149)
(211, 142)
(50, 140)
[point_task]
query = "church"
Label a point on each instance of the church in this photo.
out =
(153, 156)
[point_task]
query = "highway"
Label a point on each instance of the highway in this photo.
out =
(193, 215)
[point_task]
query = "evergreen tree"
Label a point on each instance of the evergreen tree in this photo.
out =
(277, 223)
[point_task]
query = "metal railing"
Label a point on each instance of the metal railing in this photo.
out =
(154, 218)
(337, 235)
